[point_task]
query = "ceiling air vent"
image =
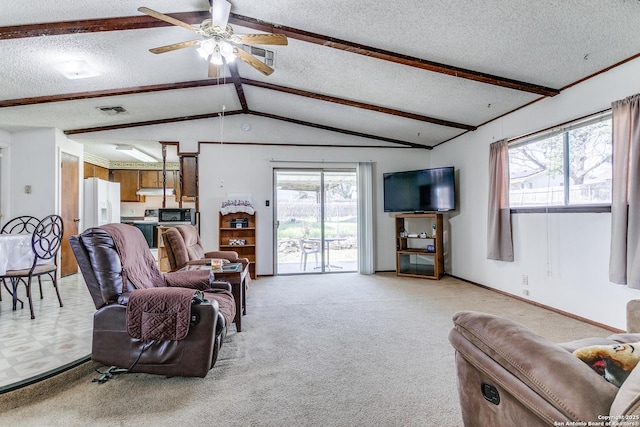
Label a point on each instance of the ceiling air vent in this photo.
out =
(264, 55)
(112, 111)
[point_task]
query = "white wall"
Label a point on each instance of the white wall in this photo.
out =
(565, 255)
(236, 168)
(34, 159)
(248, 169)
(5, 177)
(33, 155)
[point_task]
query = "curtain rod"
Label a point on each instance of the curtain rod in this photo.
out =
(317, 161)
(554, 127)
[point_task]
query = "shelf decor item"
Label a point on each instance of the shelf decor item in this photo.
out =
(239, 223)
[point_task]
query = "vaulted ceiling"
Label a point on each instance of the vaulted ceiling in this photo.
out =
(405, 73)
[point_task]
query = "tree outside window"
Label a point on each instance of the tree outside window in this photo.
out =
(567, 168)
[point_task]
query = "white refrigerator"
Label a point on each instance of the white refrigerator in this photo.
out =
(101, 202)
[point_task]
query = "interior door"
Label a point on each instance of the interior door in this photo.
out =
(69, 210)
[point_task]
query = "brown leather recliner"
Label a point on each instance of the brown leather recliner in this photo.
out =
(509, 375)
(184, 247)
(117, 266)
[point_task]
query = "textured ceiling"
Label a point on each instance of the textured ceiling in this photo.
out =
(552, 44)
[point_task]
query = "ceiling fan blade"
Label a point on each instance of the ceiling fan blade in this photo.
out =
(253, 61)
(166, 18)
(274, 39)
(220, 10)
(214, 69)
(174, 46)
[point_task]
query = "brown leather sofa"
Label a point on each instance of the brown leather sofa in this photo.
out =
(510, 376)
(184, 247)
(117, 266)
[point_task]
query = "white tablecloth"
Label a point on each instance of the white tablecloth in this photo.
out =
(15, 252)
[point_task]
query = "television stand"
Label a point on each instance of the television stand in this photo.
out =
(418, 256)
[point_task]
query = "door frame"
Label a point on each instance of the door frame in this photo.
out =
(322, 205)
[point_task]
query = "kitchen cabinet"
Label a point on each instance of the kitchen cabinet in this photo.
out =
(150, 232)
(188, 187)
(129, 180)
(95, 171)
(153, 179)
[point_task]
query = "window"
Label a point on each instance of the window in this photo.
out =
(566, 167)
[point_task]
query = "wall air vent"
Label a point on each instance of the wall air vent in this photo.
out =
(264, 55)
(113, 110)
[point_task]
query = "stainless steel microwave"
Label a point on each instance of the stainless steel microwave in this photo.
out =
(176, 216)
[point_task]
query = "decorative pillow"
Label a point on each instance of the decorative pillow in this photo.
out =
(613, 362)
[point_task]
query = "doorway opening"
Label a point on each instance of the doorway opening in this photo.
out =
(316, 225)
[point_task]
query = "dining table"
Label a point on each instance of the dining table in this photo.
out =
(16, 252)
(327, 247)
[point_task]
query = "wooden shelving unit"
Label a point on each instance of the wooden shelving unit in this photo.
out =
(419, 256)
(248, 234)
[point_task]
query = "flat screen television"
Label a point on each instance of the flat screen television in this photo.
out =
(426, 190)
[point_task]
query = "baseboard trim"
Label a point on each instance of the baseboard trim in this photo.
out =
(546, 307)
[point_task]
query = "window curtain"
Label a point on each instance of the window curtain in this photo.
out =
(624, 261)
(499, 240)
(366, 252)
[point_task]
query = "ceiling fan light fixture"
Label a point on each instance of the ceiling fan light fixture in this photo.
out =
(226, 50)
(207, 48)
(216, 58)
(220, 10)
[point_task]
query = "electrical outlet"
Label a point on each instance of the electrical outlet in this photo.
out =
(525, 280)
(525, 292)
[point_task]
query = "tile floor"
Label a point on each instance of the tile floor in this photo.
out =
(56, 337)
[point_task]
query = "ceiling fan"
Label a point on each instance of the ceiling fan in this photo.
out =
(219, 43)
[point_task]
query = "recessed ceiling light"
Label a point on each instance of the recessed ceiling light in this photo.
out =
(77, 70)
(245, 127)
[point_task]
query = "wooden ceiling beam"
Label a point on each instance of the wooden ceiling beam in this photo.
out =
(150, 122)
(194, 18)
(233, 113)
(108, 92)
(338, 130)
(373, 52)
(237, 82)
(96, 25)
(356, 104)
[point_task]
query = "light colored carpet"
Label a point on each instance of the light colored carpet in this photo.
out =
(316, 350)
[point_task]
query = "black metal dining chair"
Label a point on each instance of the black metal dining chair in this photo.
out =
(45, 241)
(19, 225)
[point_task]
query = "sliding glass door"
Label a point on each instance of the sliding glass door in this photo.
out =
(316, 214)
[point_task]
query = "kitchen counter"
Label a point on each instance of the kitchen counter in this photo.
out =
(146, 221)
(130, 219)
